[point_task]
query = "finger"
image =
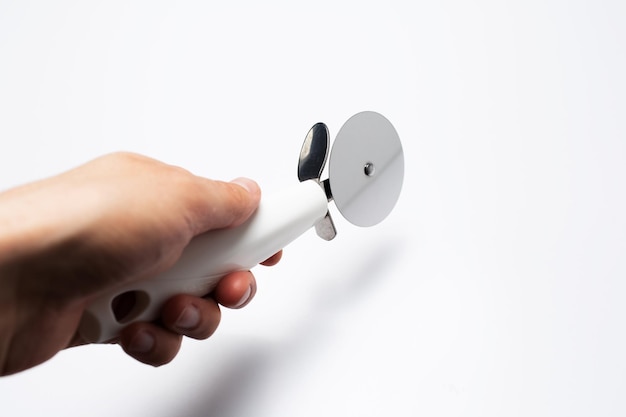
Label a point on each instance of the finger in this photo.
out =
(191, 316)
(218, 204)
(236, 289)
(274, 259)
(149, 343)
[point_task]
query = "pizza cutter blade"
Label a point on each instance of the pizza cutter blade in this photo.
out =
(366, 169)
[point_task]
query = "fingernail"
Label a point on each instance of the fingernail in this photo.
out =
(189, 318)
(246, 183)
(143, 342)
(245, 298)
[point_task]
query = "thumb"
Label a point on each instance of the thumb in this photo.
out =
(225, 204)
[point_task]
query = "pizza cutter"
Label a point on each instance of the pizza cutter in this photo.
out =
(365, 173)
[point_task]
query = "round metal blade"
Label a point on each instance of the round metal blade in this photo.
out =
(366, 168)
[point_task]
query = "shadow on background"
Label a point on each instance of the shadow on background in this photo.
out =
(243, 379)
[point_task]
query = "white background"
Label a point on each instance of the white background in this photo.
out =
(495, 288)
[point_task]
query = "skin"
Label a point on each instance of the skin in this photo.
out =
(120, 218)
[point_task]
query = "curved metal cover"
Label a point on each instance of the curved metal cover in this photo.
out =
(366, 168)
(313, 153)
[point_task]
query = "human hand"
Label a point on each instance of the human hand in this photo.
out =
(120, 218)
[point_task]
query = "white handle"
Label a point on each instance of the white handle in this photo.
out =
(279, 219)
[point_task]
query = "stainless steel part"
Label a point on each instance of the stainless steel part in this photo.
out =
(325, 228)
(311, 163)
(366, 168)
(314, 153)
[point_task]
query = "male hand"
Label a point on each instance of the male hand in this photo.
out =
(123, 217)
